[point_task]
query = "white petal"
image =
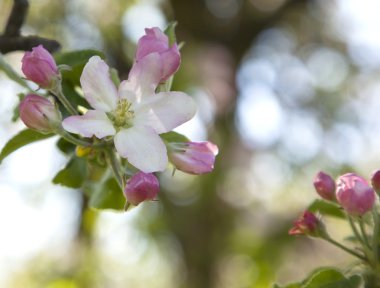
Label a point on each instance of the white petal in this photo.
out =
(92, 123)
(165, 111)
(143, 148)
(98, 88)
(144, 77)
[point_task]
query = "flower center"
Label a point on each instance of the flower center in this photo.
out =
(121, 117)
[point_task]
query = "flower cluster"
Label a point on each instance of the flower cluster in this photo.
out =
(350, 197)
(130, 116)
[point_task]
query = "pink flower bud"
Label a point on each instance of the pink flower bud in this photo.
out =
(354, 194)
(39, 113)
(308, 224)
(325, 186)
(375, 180)
(141, 187)
(193, 157)
(155, 41)
(39, 66)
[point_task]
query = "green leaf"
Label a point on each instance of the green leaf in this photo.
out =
(74, 173)
(23, 138)
(107, 196)
(65, 146)
(331, 278)
(12, 74)
(174, 137)
(293, 285)
(326, 208)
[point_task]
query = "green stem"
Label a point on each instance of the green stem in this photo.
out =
(62, 98)
(116, 168)
(348, 250)
(77, 141)
(375, 236)
(363, 232)
(355, 230)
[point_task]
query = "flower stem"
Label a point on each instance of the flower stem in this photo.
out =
(375, 236)
(348, 250)
(62, 98)
(363, 232)
(355, 230)
(116, 168)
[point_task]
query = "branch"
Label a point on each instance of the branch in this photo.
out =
(11, 40)
(17, 18)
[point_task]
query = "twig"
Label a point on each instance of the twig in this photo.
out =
(12, 40)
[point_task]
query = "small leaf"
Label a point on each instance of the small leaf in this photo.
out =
(331, 278)
(115, 77)
(73, 175)
(174, 137)
(25, 137)
(326, 208)
(16, 110)
(107, 196)
(65, 146)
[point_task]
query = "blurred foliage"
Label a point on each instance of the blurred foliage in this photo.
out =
(227, 228)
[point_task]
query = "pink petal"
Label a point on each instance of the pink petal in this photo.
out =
(92, 123)
(98, 88)
(165, 111)
(171, 60)
(143, 148)
(144, 77)
(154, 40)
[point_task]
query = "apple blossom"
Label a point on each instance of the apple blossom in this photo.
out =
(193, 157)
(155, 41)
(133, 114)
(39, 113)
(325, 186)
(141, 187)
(39, 66)
(354, 194)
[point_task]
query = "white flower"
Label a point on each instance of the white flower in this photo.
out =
(134, 114)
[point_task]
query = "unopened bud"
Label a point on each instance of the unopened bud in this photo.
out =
(39, 113)
(308, 224)
(325, 186)
(193, 157)
(375, 181)
(354, 194)
(141, 187)
(39, 66)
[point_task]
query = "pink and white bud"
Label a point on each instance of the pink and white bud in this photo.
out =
(155, 41)
(39, 113)
(193, 157)
(308, 224)
(354, 194)
(375, 180)
(325, 186)
(39, 66)
(141, 187)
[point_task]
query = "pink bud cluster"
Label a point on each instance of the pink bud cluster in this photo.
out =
(351, 191)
